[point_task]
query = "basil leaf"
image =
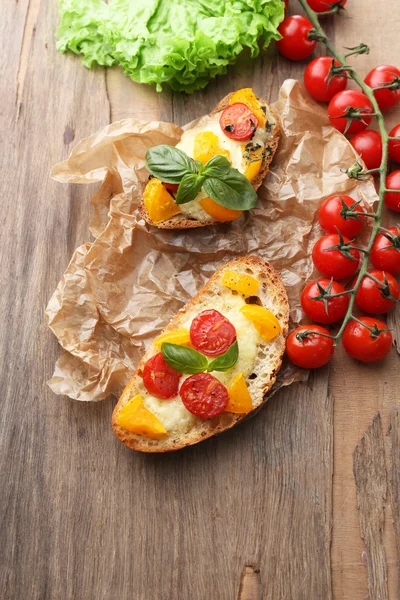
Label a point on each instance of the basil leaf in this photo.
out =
(233, 191)
(183, 359)
(225, 361)
(217, 166)
(188, 188)
(169, 163)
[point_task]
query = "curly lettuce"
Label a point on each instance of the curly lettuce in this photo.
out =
(182, 43)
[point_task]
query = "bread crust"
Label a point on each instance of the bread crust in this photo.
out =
(181, 221)
(270, 280)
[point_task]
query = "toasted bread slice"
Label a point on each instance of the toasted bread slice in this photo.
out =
(182, 221)
(263, 370)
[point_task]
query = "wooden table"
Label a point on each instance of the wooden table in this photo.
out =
(83, 518)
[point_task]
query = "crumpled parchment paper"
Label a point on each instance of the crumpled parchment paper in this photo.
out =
(120, 290)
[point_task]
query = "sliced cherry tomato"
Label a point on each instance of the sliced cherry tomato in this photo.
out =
(379, 77)
(339, 106)
(394, 145)
(309, 351)
(333, 216)
(238, 122)
(318, 82)
(211, 333)
(159, 379)
(367, 345)
(377, 298)
(295, 43)
(392, 199)
(333, 262)
(385, 253)
(324, 5)
(368, 144)
(204, 396)
(328, 311)
(172, 187)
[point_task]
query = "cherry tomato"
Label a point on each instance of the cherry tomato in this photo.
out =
(385, 252)
(374, 298)
(160, 380)
(317, 79)
(315, 309)
(332, 216)
(338, 107)
(392, 199)
(204, 396)
(333, 263)
(365, 345)
(323, 5)
(211, 333)
(171, 187)
(295, 43)
(394, 145)
(238, 122)
(379, 77)
(286, 5)
(368, 144)
(309, 351)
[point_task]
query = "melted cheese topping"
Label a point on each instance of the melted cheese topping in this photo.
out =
(172, 413)
(211, 123)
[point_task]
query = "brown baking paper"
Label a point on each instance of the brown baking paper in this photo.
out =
(119, 291)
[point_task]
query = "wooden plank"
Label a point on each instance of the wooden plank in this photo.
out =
(395, 477)
(371, 481)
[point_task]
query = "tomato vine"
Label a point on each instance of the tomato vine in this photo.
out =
(356, 171)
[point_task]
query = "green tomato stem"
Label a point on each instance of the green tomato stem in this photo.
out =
(341, 58)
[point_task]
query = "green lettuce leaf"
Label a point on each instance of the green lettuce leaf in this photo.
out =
(181, 43)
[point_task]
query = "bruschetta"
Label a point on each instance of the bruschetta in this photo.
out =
(212, 365)
(244, 130)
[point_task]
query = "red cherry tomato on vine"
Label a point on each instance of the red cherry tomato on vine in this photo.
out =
(333, 262)
(368, 144)
(309, 351)
(295, 43)
(377, 298)
(317, 79)
(385, 252)
(392, 199)
(159, 379)
(379, 77)
(323, 5)
(367, 345)
(333, 216)
(211, 333)
(238, 122)
(339, 105)
(204, 396)
(394, 145)
(316, 310)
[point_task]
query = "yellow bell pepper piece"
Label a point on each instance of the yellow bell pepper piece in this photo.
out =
(135, 417)
(206, 146)
(243, 284)
(253, 169)
(159, 204)
(239, 396)
(263, 320)
(247, 97)
(180, 336)
(253, 157)
(218, 212)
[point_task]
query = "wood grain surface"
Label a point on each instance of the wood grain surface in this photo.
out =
(395, 475)
(371, 482)
(84, 518)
